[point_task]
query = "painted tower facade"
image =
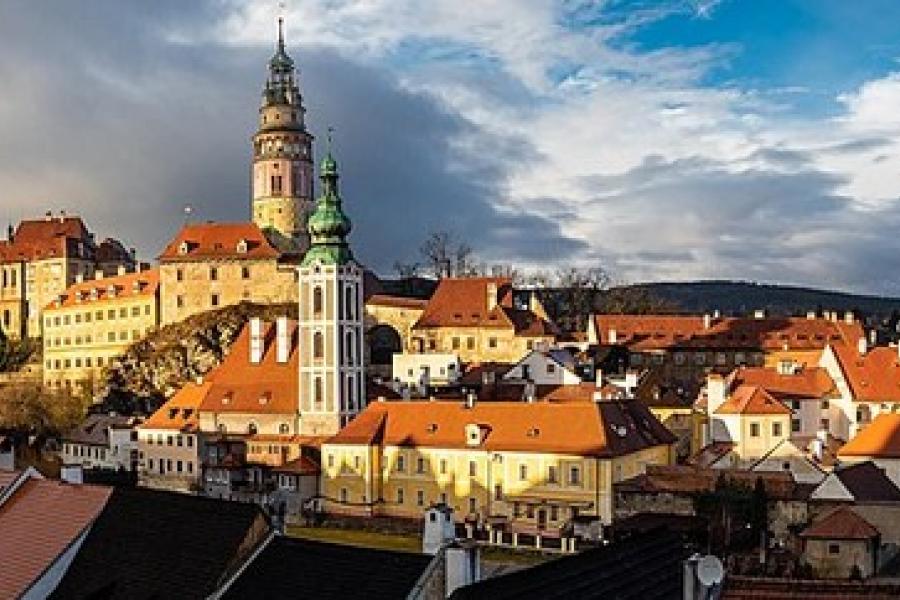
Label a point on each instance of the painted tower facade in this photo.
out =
(282, 186)
(332, 380)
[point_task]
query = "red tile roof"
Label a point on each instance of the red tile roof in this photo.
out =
(464, 303)
(686, 479)
(603, 429)
(299, 466)
(812, 383)
(672, 332)
(880, 439)
(842, 523)
(872, 377)
(396, 301)
(39, 521)
(130, 285)
(268, 387)
(770, 588)
(51, 237)
(752, 400)
(218, 240)
(180, 412)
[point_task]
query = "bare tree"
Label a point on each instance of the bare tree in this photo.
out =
(445, 255)
(406, 270)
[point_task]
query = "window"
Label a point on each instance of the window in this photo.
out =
(824, 424)
(111, 314)
(420, 465)
(317, 390)
(470, 343)
(169, 440)
(776, 429)
(795, 425)
(123, 313)
(214, 300)
(754, 429)
(420, 498)
(554, 513)
(179, 441)
(190, 441)
(344, 495)
(356, 462)
(473, 468)
(399, 495)
(348, 303)
(824, 404)
(523, 472)
(179, 301)
(179, 466)
(401, 463)
(331, 460)
(317, 301)
(473, 505)
(276, 184)
(492, 342)
(443, 466)
(551, 368)
(574, 476)
(455, 343)
(348, 343)
(498, 492)
(318, 345)
(834, 548)
(179, 275)
(552, 476)
(213, 274)
(245, 272)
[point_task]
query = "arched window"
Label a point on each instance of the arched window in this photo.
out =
(317, 390)
(348, 352)
(252, 429)
(317, 301)
(284, 428)
(318, 345)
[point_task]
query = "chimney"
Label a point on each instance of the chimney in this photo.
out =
(491, 295)
(71, 474)
(863, 346)
(717, 314)
(98, 274)
(598, 378)
(873, 337)
(715, 392)
(282, 342)
(10, 233)
(79, 277)
(256, 340)
(470, 400)
(121, 270)
(707, 321)
(810, 315)
(848, 317)
(759, 313)
(611, 336)
(462, 565)
(530, 391)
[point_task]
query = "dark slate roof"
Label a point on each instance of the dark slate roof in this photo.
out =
(94, 430)
(644, 567)
(289, 566)
(868, 483)
(148, 544)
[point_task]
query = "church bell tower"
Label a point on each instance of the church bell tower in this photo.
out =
(282, 186)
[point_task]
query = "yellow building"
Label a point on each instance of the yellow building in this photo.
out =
(389, 321)
(94, 321)
(482, 319)
(43, 257)
(519, 467)
(210, 265)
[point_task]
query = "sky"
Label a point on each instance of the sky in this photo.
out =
(664, 140)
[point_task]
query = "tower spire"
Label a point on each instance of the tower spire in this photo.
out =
(328, 225)
(281, 34)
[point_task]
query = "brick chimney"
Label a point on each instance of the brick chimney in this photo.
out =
(282, 341)
(491, 295)
(256, 340)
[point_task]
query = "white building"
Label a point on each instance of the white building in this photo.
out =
(424, 370)
(546, 367)
(107, 442)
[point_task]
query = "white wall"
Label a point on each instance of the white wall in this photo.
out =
(542, 370)
(443, 369)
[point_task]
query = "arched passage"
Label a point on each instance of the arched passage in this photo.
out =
(383, 341)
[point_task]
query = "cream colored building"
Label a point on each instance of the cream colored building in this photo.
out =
(482, 319)
(523, 468)
(94, 321)
(211, 265)
(43, 257)
(169, 442)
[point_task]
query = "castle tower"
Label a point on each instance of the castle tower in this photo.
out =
(282, 185)
(332, 370)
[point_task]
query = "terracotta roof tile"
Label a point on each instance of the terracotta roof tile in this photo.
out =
(180, 412)
(752, 400)
(602, 429)
(880, 439)
(396, 301)
(38, 523)
(813, 383)
(842, 523)
(46, 238)
(267, 387)
(299, 466)
(130, 285)
(872, 377)
(218, 240)
(94, 429)
(672, 332)
(464, 303)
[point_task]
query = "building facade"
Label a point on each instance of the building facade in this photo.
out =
(102, 442)
(525, 468)
(94, 321)
(43, 257)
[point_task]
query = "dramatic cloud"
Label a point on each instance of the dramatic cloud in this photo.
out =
(538, 130)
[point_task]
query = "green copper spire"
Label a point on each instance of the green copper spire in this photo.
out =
(328, 226)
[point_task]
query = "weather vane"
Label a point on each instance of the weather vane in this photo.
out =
(329, 138)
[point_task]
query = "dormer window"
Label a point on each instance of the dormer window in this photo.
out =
(184, 247)
(136, 287)
(111, 291)
(432, 427)
(95, 293)
(264, 399)
(474, 435)
(242, 247)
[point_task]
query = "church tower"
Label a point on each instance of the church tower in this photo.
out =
(332, 370)
(282, 185)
